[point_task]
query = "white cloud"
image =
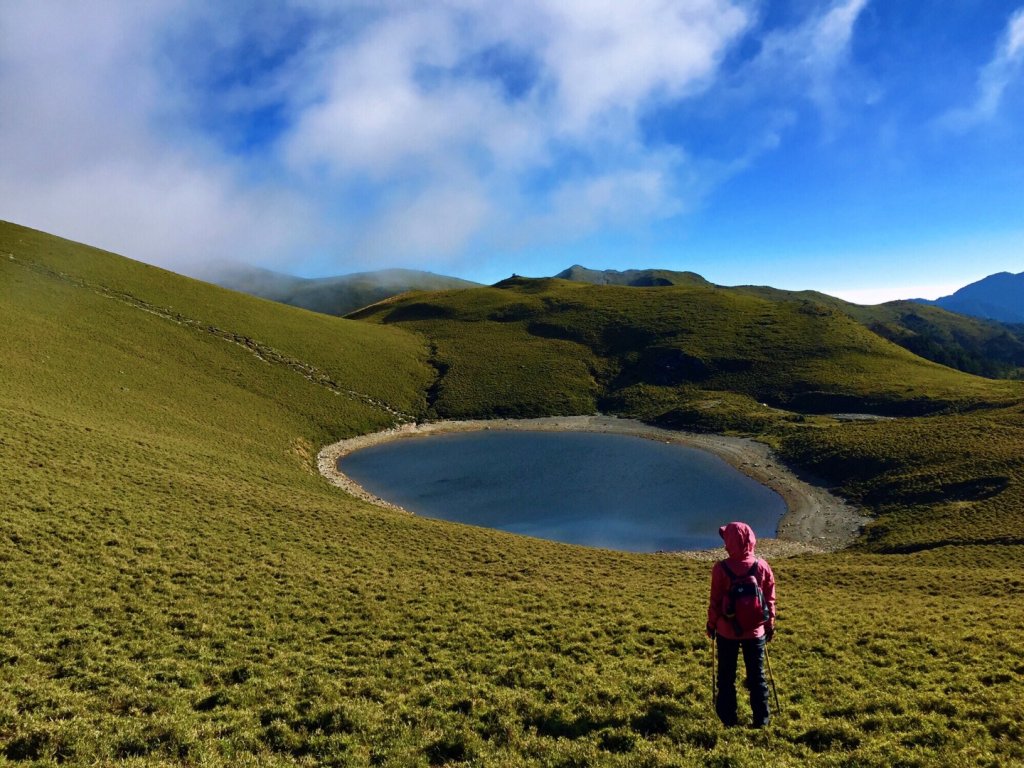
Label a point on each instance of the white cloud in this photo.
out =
(412, 132)
(596, 64)
(580, 206)
(404, 105)
(993, 79)
(82, 153)
(102, 134)
(1015, 35)
(810, 55)
(438, 220)
(607, 55)
(163, 210)
(372, 116)
(70, 84)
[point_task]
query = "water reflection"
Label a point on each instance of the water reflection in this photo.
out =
(603, 490)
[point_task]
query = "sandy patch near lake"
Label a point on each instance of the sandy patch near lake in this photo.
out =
(816, 521)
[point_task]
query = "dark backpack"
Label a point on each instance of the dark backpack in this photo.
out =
(744, 604)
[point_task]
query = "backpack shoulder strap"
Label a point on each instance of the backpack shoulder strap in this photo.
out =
(754, 569)
(728, 570)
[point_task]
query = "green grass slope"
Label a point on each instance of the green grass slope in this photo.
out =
(934, 481)
(181, 588)
(970, 344)
(666, 353)
(714, 359)
(984, 347)
(638, 278)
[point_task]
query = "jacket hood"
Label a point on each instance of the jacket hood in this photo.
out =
(739, 540)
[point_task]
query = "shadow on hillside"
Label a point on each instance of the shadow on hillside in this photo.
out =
(823, 403)
(419, 310)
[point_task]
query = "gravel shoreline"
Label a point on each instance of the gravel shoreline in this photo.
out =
(816, 521)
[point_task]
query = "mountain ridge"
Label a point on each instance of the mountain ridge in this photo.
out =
(337, 295)
(999, 296)
(941, 334)
(970, 344)
(639, 278)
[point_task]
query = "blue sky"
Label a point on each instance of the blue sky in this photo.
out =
(871, 149)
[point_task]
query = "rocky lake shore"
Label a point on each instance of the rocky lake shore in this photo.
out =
(815, 521)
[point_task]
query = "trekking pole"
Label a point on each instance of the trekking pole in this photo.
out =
(714, 678)
(771, 676)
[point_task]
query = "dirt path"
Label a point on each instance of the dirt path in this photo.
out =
(816, 521)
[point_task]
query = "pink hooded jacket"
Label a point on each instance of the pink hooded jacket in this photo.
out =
(739, 543)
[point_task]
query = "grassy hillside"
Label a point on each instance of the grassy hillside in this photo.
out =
(716, 359)
(638, 278)
(931, 482)
(984, 347)
(667, 353)
(181, 587)
(970, 344)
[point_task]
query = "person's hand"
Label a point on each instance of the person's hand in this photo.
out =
(769, 632)
(710, 632)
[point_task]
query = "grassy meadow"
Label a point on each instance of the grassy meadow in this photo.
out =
(180, 586)
(966, 343)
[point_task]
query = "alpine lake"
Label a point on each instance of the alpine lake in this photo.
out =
(612, 491)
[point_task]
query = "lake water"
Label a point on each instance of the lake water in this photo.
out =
(601, 490)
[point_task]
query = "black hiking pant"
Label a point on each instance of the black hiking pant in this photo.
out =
(753, 660)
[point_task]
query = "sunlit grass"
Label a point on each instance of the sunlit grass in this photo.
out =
(181, 587)
(798, 354)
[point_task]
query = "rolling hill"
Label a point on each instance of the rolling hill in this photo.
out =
(971, 344)
(182, 588)
(687, 343)
(331, 295)
(638, 278)
(707, 358)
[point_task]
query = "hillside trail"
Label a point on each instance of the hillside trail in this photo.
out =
(815, 521)
(261, 350)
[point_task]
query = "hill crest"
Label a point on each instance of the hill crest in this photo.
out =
(338, 295)
(638, 278)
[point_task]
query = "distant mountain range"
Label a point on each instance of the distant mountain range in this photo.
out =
(338, 295)
(946, 333)
(954, 331)
(996, 297)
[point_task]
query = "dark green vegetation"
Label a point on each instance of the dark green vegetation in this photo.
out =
(983, 347)
(970, 344)
(637, 278)
(181, 587)
(980, 346)
(333, 295)
(668, 354)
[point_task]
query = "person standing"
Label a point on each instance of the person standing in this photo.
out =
(741, 617)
